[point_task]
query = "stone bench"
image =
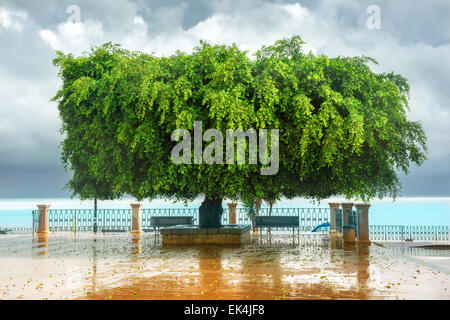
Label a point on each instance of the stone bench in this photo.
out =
(165, 221)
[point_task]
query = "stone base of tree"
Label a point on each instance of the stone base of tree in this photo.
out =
(186, 235)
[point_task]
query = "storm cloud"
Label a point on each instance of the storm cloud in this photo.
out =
(413, 40)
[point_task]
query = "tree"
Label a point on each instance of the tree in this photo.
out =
(343, 129)
(252, 207)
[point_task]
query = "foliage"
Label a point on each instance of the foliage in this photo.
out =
(249, 206)
(343, 128)
(270, 203)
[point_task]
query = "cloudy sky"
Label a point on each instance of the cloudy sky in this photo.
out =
(410, 37)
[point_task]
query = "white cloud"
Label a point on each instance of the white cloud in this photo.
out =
(263, 25)
(74, 37)
(246, 29)
(10, 19)
(29, 124)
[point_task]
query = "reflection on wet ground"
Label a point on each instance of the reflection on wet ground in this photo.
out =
(431, 254)
(418, 248)
(86, 266)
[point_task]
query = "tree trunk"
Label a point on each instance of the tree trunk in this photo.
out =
(210, 213)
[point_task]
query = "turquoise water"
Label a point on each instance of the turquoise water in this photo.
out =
(404, 211)
(411, 213)
(15, 218)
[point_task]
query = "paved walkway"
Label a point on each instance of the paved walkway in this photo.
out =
(120, 267)
(430, 254)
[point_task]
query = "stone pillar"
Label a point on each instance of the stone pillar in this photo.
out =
(363, 222)
(333, 206)
(346, 208)
(136, 219)
(232, 215)
(43, 220)
(348, 234)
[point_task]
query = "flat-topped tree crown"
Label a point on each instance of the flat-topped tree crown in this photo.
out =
(343, 129)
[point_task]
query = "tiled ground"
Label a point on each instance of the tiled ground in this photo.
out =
(121, 267)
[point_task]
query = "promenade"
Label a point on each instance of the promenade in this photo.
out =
(118, 266)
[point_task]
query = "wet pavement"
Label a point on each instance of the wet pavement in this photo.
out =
(87, 266)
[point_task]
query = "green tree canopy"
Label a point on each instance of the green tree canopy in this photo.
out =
(343, 128)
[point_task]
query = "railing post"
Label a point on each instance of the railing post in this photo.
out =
(43, 220)
(95, 215)
(33, 226)
(363, 222)
(435, 233)
(136, 223)
(333, 207)
(74, 221)
(232, 216)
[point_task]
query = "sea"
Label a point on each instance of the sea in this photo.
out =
(405, 211)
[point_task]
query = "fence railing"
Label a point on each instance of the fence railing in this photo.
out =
(405, 233)
(15, 230)
(80, 220)
(352, 219)
(120, 219)
(417, 251)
